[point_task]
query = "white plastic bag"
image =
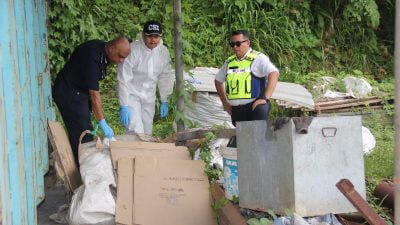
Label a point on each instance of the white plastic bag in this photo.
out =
(369, 141)
(357, 87)
(94, 201)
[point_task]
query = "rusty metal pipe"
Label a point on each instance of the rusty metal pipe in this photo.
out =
(385, 191)
(347, 188)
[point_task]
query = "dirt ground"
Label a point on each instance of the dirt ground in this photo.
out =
(55, 196)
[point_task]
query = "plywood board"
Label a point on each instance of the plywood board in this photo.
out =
(64, 156)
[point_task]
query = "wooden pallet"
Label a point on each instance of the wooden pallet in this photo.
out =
(340, 105)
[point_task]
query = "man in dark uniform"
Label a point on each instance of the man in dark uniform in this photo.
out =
(76, 88)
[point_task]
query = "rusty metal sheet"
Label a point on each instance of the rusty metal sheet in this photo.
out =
(385, 192)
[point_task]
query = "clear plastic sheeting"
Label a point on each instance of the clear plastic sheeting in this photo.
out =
(93, 203)
(207, 111)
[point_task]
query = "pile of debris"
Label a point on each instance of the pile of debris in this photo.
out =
(132, 182)
(358, 96)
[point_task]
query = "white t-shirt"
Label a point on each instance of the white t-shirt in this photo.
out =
(261, 67)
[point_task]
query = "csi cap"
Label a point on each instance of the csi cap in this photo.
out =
(152, 27)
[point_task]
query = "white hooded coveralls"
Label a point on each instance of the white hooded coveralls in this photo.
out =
(138, 76)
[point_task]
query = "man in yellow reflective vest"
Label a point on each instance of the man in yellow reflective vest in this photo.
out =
(250, 79)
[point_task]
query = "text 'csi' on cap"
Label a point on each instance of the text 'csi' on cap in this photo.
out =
(152, 27)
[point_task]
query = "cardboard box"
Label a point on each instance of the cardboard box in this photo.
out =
(144, 145)
(165, 191)
(124, 149)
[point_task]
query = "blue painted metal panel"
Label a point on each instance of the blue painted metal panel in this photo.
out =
(37, 93)
(33, 72)
(13, 124)
(46, 79)
(24, 80)
(25, 108)
(4, 184)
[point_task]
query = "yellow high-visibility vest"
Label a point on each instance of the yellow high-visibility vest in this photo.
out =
(240, 82)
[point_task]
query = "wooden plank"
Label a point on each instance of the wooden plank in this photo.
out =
(124, 206)
(201, 133)
(344, 101)
(354, 109)
(331, 99)
(361, 103)
(62, 148)
(230, 213)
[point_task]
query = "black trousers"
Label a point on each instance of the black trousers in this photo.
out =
(75, 110)
(246, 113)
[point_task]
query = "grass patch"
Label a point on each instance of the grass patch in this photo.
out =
(380, 163)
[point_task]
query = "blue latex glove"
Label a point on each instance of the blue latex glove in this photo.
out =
(164, 109)
(124, 115)
(108, 132)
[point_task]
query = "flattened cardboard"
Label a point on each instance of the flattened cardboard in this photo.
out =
(171, 192)
(64, 156)
(124, 209)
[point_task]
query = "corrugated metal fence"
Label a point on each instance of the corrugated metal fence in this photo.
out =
(25, 107)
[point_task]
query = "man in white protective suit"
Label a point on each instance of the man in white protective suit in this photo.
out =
(147, 66)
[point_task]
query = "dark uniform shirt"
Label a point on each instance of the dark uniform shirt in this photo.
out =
(86, 67)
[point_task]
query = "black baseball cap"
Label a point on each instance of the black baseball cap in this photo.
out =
(152, 27)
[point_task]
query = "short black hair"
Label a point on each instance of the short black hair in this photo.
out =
(245, 33)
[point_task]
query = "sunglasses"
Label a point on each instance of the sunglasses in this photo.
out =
(237, 43)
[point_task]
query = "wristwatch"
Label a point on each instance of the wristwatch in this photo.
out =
(264, 97)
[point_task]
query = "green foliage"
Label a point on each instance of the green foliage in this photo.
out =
(380, 163)
(302, 35)
(262, 221)
(205, 155)
(363, 10)
(377, 203)
(271, 216)
(217, 206)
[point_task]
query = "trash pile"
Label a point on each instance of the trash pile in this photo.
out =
(130, 181)
(356, 97)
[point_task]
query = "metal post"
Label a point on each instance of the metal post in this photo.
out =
(397, 114)
(178, 62)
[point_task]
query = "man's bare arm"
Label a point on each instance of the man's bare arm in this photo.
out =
(272, 81)
(95, 100)
(221, 92)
